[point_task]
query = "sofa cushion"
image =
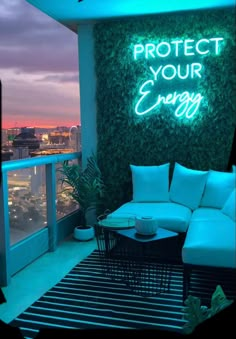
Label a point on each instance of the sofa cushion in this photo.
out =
(187, 186)
(150, 183)
(211, 243)
(229, 208)
(207, 213)
(171, 216)
(218, 187)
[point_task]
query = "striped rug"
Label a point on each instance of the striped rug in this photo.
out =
(88, 299)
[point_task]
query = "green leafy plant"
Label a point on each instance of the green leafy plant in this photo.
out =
(125, 138)
(195, 313)
(85, 186)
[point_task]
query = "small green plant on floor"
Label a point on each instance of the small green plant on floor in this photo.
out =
(85, 186)
(195, 313)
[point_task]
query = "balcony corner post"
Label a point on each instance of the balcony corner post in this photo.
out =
(51, 205)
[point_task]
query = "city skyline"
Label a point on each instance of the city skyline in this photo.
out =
(38, 69)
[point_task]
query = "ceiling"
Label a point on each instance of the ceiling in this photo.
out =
(72, 12)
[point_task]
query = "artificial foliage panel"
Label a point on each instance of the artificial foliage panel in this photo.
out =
(165, 93)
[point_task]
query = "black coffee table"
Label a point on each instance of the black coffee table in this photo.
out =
(142, 262)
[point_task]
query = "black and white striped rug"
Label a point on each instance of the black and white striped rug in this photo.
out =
(86, 298)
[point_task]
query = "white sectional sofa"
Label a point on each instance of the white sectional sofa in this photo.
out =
(170, 215)
(197, 204)
(210, 239)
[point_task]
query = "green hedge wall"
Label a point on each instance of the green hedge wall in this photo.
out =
(124, 138)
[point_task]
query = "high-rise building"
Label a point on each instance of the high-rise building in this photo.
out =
(25, 141)
(6, 155)
(59, 137)
(75, 138)
(38, 180)
(28, 130)
(4, 137)
(12, 133)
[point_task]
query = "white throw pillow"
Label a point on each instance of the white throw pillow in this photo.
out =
(234, 168)
(219, 185)
(187, 186)
(229, 208)
(150, 183)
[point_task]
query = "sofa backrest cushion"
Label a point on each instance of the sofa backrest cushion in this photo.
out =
(150, 183)
(187, 186)
(229, 208)
(218, 187)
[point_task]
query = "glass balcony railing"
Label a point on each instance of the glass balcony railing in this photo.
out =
(32, 199)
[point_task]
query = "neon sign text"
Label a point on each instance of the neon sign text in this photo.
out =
(169, 72)
(188, 47)
(188, 103)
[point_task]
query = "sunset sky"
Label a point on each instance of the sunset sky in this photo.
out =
(38, 68)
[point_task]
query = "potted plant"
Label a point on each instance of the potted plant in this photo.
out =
(86, 187)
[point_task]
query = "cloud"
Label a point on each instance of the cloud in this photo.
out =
(25, 93)
(33, 42)
(38, 68)
(60, 78)
(29, 102)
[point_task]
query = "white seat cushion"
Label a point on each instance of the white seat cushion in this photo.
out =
(171, 216)
(210, 242)
(207, 213)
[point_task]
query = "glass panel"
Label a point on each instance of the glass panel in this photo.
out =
(27, 202)
(65, 204)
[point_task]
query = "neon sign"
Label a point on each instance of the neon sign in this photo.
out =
(164, 49)
(174, 71)
(188, 103)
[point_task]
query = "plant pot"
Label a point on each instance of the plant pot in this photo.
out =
(91, 216)
(84, 233)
